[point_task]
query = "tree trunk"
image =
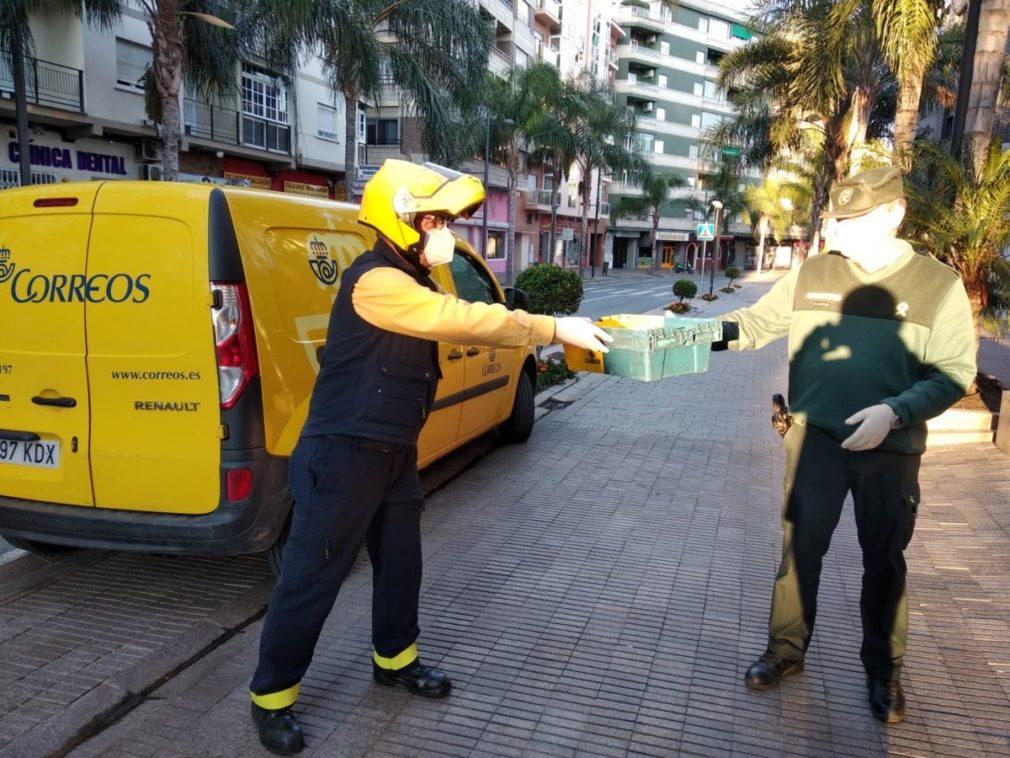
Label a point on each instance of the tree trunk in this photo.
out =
(21, 110)
(762, 232)
(350, 142)
(906, 117)
(584, 222)
(510, 269)
(994, 20)
(165, 25)
(653, 235)
(859, 121)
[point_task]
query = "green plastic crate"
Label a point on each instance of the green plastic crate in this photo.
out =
(650, 348)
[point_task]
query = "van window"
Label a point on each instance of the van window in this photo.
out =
(472, 284)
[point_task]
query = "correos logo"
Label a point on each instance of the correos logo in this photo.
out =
(27, 287)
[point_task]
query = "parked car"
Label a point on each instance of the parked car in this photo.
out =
(159, 348)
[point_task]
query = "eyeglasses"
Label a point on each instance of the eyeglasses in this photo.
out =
(430, 220)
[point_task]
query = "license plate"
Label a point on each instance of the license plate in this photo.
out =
(37, 453)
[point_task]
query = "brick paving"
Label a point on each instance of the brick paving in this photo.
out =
(601, 589)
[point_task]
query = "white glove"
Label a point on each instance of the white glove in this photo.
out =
(581, 332)
(876, 423)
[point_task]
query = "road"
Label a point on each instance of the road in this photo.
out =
(638, 294)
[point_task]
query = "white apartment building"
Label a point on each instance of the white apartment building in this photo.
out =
(667, 69)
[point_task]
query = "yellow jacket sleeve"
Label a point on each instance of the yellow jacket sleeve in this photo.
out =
(390, 299)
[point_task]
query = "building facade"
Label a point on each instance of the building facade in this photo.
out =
(666, 74)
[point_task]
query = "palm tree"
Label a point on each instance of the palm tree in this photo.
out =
(655, 195)
(431, 50)
(602, 131)
(16, 43)
(990, 54)
(957, 213)
(513, 107)
(781, 201)
(818, 70)
(907, 31)
(191, 41)
(551, 134)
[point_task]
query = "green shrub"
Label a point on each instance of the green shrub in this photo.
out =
(684, 288)
(552, 289)
(733, 273)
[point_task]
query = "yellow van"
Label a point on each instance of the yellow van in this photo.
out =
(158, 350)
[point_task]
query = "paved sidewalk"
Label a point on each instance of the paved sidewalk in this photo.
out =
(601, 589)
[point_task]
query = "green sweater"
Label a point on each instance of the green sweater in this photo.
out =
(903, 335)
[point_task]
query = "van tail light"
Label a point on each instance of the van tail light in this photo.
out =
(233, 336)
(238, 484)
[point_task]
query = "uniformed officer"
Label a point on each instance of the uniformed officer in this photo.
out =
(880, 340)
(353, 473)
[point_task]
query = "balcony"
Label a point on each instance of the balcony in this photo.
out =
(631, 16)
(540, 198)
(48, 84)
(550, 55)
(232, 127)
(548, 12)
(499, 62)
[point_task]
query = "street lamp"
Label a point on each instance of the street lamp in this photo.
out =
(715, 250)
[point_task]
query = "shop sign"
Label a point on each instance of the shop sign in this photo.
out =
(629, 235)
(63, 157)
(249, 180)
(673, 236)
(304, 188)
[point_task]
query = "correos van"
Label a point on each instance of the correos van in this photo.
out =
(158, 350)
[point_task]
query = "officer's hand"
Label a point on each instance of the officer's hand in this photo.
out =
(581, 332)
(874, 425)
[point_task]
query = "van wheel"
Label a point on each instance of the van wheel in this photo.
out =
(275, 554)
(519, 425)
(44, 549)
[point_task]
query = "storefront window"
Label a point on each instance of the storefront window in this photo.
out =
(495, 245)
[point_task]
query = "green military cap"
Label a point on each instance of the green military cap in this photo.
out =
(864, 192)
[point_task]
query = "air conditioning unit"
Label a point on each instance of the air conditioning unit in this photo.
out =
(647, 108)
(152, 172)
(148, 150)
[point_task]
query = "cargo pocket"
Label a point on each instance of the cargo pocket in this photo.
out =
(399, 396)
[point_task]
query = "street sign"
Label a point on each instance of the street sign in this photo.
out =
(706, 232)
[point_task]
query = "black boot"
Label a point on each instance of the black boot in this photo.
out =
(887, 700)
(420, 679)
(768, 670)
(279, 730)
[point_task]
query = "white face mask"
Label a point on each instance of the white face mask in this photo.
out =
(439, 246)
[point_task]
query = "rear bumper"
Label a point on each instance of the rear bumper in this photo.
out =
(247, 526)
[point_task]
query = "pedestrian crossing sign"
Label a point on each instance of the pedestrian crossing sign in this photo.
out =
(706, 232)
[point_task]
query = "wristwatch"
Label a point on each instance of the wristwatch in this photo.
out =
(895, 420)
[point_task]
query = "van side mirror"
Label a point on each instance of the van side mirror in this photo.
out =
(516, 298)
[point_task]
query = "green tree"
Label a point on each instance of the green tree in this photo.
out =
(684, 288)
(513, 106)
(551, 135)
(958, 213)
(432, 51)
(602, 133)
(655, 195)
(552, 289)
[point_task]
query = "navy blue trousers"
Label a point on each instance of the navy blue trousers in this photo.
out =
(346, 490)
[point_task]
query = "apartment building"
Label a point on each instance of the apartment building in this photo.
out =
(285, 131)
(88, 121)
(666, 73)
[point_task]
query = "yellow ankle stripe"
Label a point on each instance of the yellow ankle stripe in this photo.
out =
(277, 700)
(398, 661)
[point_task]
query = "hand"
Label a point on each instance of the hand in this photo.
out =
(874, 425)
(581, 332)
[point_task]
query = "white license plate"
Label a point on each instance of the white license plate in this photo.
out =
(38, 453)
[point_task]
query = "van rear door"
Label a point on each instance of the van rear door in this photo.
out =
(156, 429)
(44, 409)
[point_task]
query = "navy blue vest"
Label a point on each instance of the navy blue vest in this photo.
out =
(373, 383)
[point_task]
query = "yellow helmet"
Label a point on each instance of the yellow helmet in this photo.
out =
(399, 190)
